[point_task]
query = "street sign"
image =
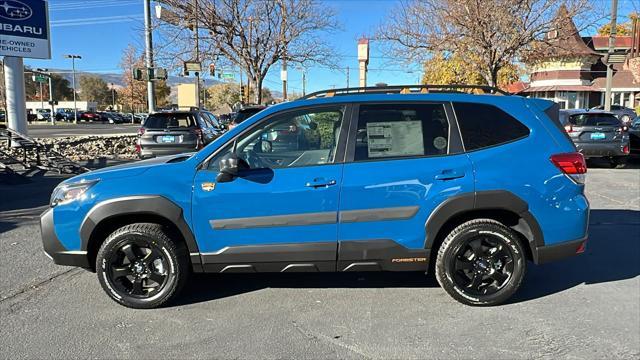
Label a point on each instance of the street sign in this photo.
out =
(40, 78)
(228, 76)
(24, 29)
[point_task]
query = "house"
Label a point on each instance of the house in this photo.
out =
(570, 69)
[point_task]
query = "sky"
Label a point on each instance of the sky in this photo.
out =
(99, 31)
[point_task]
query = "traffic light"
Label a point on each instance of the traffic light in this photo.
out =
(212, 70)
(243, 90)
(137, 74)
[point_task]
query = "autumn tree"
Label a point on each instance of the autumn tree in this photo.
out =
(624, 29)
(221, 95)
(444, 69)
(254, 35)
(491, 33)
(93, 88)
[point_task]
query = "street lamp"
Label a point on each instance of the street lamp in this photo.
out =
(73, 64)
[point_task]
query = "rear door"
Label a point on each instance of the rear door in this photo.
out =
(403, 160)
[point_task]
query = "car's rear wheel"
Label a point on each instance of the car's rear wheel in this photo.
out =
(139, 266)
(481, 262)
(618, 161)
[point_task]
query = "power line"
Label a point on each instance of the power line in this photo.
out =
(89, 4)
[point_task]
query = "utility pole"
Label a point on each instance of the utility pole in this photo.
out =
(283, 72)
(197, 48)
(151, 99)
(612, 44)
(113, 97)
(53, 109)
(73, 66)
(304, 82)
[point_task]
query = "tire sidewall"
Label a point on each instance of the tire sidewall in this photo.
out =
(446, 273)
(109, 249)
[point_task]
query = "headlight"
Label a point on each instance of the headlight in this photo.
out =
(67, 193)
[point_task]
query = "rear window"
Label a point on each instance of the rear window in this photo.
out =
(483, 125)
(594, 120)
(165, 121)
(243, 115)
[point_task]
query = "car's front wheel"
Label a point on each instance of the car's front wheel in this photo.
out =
(481, 262)
(139, 266)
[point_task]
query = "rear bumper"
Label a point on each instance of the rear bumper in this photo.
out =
(54, 249)
(560, 251)
(602, 149)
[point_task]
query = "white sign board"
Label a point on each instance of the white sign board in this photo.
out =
(24, 29)
(395, 138)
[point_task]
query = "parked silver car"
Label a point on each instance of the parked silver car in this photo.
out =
(168, 133)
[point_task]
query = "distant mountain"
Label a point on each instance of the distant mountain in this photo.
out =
(116, 78)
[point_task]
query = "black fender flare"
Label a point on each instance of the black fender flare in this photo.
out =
(143, 204)
(486, 200)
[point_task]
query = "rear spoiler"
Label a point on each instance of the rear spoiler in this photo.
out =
(550, 108)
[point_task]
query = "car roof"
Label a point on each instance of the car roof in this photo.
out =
(585, 111)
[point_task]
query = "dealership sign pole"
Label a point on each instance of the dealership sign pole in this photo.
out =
(24, 33)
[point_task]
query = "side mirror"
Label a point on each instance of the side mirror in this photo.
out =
(230, 168)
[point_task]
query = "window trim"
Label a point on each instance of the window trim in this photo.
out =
(494, 145)
(454, 140)
(340, 148)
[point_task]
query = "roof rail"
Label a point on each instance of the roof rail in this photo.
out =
(407, 89)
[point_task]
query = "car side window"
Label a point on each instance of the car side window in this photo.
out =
(214, 121)
(293, 139)
(483, 125)
(401, 130)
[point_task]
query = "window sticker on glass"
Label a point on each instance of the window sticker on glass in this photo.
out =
(395, 138)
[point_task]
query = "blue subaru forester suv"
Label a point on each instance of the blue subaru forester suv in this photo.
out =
(371, 179)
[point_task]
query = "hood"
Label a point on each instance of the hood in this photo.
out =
(133, 168)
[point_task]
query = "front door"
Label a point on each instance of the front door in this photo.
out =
(405, 160)
(281, 214)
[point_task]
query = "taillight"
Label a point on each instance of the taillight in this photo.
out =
(568, 128)
(625, 149)
(572, 165)
(141, 131)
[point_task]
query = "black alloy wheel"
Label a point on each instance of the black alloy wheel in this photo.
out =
(138, 269)
(482, 265)
(481, 262)
(140, 266)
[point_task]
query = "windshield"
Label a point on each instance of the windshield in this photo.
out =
(594, 120)
(164, 121)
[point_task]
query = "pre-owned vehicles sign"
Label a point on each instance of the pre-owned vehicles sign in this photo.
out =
(24, 29)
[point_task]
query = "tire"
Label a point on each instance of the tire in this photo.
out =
(462, 263)
(618, 162)
(139, 266)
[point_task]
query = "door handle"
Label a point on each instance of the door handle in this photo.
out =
(320, 182)
(449, 175)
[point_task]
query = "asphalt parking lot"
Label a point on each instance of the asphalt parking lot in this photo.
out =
(584, 307)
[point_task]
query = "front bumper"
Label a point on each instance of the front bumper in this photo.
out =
(54, 249)
(594, 150)
(549, 253)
